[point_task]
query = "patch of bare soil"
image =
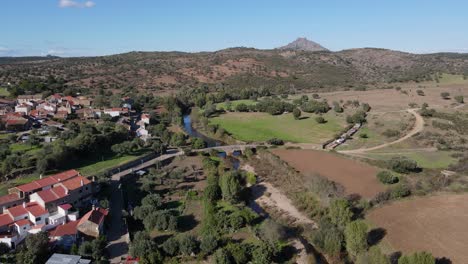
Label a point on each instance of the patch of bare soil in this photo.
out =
(356, 177)
(435, 224)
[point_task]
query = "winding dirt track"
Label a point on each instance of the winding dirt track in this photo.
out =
(418, 127)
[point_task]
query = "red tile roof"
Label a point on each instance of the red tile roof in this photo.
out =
(22, 222)
(52, 194)
(5, 219)
(65, 206)
(48, 181)
(17, 210)
(16, 121)
(35, 209)
(96, 216)
(67, 229)
(10, 198)
(75, 183)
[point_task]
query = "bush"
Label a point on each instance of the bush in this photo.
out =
(275, 142)
(445, 95)
(320, 120)
(340, 213)
(171, 246)
(403, 165)
(420, 92)
(296, 113)
(400, 191)
(242, 108)
(417, 258)
(387, 177)
(459, 99)
(356, 237)
(328, 237)
(315, 107)
(391, 133)
(363, 135)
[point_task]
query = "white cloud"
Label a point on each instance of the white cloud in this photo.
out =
(72, 3)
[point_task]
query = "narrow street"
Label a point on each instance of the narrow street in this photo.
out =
(117, 234)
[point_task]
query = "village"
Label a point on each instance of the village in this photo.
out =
(29, 112)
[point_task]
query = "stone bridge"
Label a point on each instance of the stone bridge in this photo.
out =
(229, 149)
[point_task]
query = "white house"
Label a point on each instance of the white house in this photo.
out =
(23, 108)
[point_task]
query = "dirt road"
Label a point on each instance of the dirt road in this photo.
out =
(418, 127)
(266, 196)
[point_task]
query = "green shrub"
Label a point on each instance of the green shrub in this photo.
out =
(403, 165)
(459, 99)
(320, 120)
(400, 191)
(387, 177)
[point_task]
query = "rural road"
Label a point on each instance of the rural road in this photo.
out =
(117, 235)
(418, 127)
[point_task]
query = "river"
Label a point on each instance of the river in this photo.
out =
(188, 128)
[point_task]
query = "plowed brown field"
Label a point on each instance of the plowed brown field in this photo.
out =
(436, 224)
(356, 177)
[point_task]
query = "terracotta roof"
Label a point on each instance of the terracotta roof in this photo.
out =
(75, 183)
(5, 219)
(65, 206)
(66, 175)
(48, 181)
(23, 222)
(67, 229)
(17, 210)
(96, 216)
(10, 198)
(16, 121)
(52, 194)
(35, 209)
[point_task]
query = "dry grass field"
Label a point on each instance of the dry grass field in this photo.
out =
(356, 177)
(435, 224)
(393, 100)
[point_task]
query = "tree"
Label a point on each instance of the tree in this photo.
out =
(187, 244)
(337, 108)
(142, 245)
(152, 200)
(403, 165)
(387, 177)
(230, 186)
(221, 257)
(35, 249)
(198, 143)
(97, 247)
(171, 246)
(373, 256)
(417, 258)
(4, 248)
(242, 108)
(296, 113)
(328, 237)
(262, 254)
(356, 237)
(209, 243)
(340, 213)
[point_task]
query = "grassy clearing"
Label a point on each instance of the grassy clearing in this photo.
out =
(425, 159)
(105, 164)
(4, 91)
(235, 103)
(17, 147)
(263, 126)
(452, 79)
(15, 182)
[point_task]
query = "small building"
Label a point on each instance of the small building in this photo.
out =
(10, 200)
(67, 259)
(92, 223)
(145, 118)
(22, 99)
(65, 235)
(23, 109)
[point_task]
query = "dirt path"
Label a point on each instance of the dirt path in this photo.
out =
(267, 196)
(418, 127)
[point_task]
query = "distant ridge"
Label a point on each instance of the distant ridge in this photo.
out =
(303, 44)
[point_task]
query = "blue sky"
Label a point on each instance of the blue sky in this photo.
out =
(101, 27)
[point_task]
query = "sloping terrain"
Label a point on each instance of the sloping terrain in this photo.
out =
(237, 68)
